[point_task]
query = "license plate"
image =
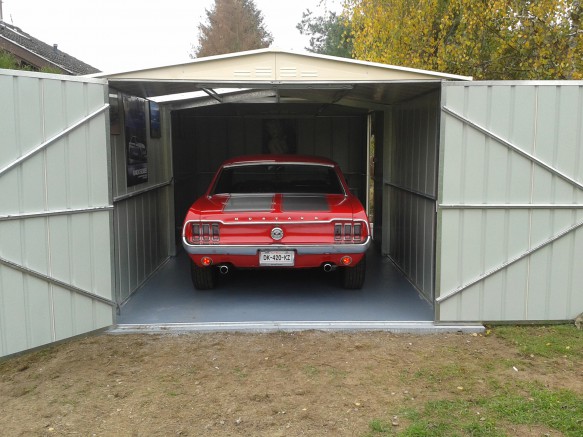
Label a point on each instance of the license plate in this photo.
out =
(276, 258)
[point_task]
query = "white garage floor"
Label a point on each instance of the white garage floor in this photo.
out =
(276, 295)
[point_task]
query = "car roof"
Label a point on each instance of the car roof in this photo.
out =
(268, 159)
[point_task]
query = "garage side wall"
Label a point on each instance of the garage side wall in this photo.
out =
(510, 239)
(410, 189)
(56, 276)
(144, 213)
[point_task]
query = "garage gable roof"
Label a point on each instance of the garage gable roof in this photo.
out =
(262, 67)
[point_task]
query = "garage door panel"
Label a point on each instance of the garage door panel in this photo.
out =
(60, 253)
(53, 100)
(56, 178)
(38, 311)
(28, 104)
(532, 177)
(31, 184)
(55, 214)
(452, 163)
(517, 233)
(77, 169)
(35, 245)
(518, 187)
(63, 313)
(8, 121)
(12, 311)
(98, 186)
(473, 172)
(10, 243)
(560, 282)
(75, 101)
(541, 264)
(500, 109)
(497, 177)
(515, 292)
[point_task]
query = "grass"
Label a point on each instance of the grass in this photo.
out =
(507, 404)
(545, 341)
(557, 410)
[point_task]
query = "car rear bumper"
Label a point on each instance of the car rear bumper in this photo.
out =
(320, 249)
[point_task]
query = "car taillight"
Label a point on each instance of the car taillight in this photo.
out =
(338, 231)
(196, 233)
(350, 232)
(357, 231)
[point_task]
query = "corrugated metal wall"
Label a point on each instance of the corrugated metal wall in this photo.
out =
(410, 189)
(56, 276)
(510, 221)
(144, 213)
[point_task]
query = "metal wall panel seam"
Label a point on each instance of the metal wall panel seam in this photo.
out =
(515, 148)
(51, 296)
(510, 206)
(56, 213)
(3, 327)
(55, 281)
(531, 199)
(52, 140)
(509, 263)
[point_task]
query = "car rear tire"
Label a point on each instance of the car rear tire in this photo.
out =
(353, 277)
(203, 278)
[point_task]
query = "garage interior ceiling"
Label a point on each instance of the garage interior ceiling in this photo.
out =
(276, 76)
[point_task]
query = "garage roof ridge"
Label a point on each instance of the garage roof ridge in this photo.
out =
(276, 52)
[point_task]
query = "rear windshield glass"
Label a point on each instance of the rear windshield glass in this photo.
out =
(278, 178)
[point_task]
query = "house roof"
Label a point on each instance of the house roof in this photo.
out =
(38, 53)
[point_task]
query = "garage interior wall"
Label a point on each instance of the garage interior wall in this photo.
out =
(410, 189)
(510, 220)
(203, 138)
(56, 269)
(143, 213)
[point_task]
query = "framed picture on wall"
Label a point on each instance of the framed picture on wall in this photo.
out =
(135, 137)
(114, 118)
(155, 131)
(280, 136)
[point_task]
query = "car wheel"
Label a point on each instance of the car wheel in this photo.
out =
(203, 278)
(353, 277)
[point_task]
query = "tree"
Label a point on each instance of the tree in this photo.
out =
(486, 39)
(9, 62)
(329, 35)
(232, 26)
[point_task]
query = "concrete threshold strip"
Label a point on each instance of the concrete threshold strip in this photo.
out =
(413, 327)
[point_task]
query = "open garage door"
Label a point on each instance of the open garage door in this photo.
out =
(56, 275)
(220, 107)
(510, 220)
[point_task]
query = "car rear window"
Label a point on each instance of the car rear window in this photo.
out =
(278, 178)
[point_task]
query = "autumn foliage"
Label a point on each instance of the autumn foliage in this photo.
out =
(232, 26)
(486, 39)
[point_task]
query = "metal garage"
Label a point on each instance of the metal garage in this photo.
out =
(477, 186)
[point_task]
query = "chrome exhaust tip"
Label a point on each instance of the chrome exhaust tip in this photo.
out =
(224, 269)
(328, 267)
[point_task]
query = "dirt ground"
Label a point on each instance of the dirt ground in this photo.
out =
(278, 384)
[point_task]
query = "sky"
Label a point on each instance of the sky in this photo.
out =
(123, 35)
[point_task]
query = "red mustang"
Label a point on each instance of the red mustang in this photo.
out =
(277, 211)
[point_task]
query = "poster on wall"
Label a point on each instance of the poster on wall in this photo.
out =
(114, 118)
(280, 136)
(155, 131)
(135, 132)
